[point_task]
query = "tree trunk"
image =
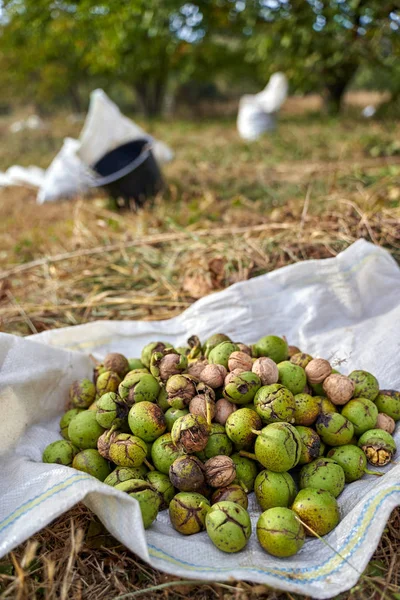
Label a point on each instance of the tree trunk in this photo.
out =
(335, 89)
(75, 100)
(150, 94)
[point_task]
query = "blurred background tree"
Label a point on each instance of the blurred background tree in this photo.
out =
(53, 50)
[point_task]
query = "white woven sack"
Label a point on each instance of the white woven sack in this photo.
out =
(345, 309)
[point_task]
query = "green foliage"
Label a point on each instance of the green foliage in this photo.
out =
(51, 48)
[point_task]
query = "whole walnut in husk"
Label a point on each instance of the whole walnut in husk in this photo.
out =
(190, 432)
(167, 363)
(220, 471)
(180, 390)
(104, 442)
(187, 474)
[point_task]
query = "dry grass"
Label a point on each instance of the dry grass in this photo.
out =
(231, 211)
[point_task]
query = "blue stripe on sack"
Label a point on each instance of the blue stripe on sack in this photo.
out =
(77, 478)
(303, 569)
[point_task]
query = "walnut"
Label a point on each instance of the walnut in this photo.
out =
(213, 375)
(196, 367)
(317, 370)
(386, 423)
(240, 360)
(220, 471)
(266, 369)
(244, 348)
(338, 388)
(223, 408)
(198, 406)
(232, 376)
(293, 350)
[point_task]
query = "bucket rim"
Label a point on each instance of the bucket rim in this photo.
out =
(107, 179)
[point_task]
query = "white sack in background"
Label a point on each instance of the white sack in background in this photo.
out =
(106, 128)
(66, 177)
(69, 175)
(344, 308)
(22, 176)
(258, 113)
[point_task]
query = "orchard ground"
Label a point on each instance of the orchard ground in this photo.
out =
(231, 211)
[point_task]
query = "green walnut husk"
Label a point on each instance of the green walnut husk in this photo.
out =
(82, 393)
(190, 432)
(61, 452)
(107, 382)
(230, 493)
(272, 346)
(173, 414)
(66, 420)
(301, 359)
(228, 526)
(318, 510)
(84, 430)
(366, 385)
(312, 447)
(352, 460)
(334, 429)
(278, 447)
(242, 388)
(246, 472)
(111, 411)
(163, 486)
(127, 450)
(164, 365)
(135, 363)
(323, 474)
(378, 445)
(362, 413)
(292, 377)
(214, 341)
(187, 512)
(150, 348)
(325, 405)
(139, 387)
(388, 402)
(91, 462)
(117, 363)
(240, 426)
(162, 400)
(187, 474)
(279, 532)
(274, 489)
(307, 409)
(218, 443)
(220, 354)
(164, 452)
(180, 390)
(146, 420)
(121, 474)
(146, 495)
(275, 403)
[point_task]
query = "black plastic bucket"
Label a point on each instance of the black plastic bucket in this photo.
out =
(130, 172)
